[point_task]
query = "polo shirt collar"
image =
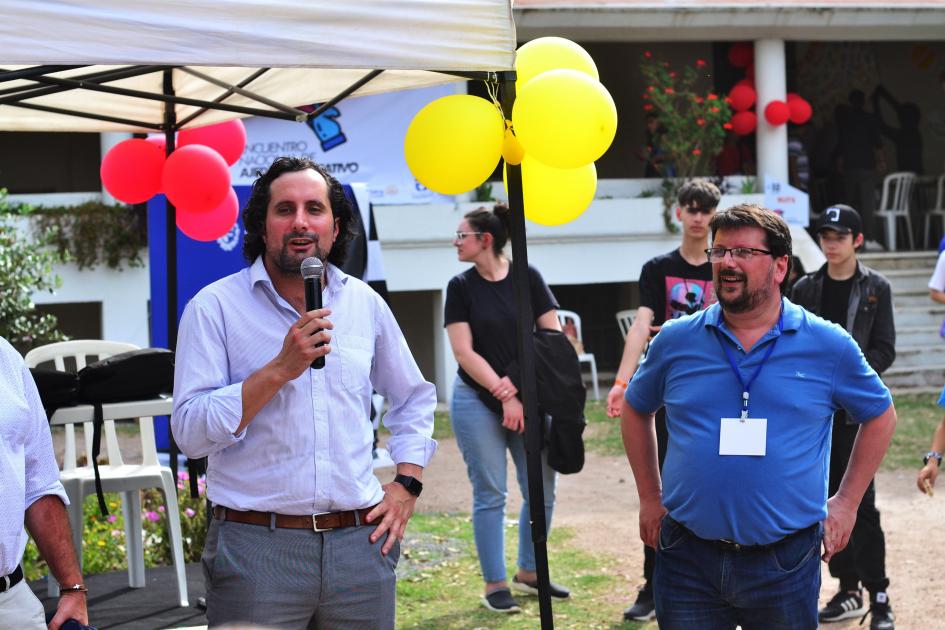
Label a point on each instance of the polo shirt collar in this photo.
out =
(793, 316)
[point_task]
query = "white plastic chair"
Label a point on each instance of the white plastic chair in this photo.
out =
(894, 205)
(625, 321)
(116, 476)
(938, 211)
(585, 357)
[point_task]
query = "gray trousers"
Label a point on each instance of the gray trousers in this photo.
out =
(297, 578)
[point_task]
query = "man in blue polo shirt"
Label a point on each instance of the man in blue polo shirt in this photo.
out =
(750, 386)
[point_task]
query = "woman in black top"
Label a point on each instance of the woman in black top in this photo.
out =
(487, 416)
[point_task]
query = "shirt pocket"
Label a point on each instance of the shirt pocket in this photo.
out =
(356, 355)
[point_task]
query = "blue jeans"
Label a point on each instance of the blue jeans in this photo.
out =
(483, 441)
(700, 586)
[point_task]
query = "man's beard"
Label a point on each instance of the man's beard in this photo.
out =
(288, 262)
(746, 300)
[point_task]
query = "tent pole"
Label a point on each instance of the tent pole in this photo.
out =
(534, 423)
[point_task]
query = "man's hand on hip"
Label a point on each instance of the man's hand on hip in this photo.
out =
(651, 518)
(395, 509)
(841, 517)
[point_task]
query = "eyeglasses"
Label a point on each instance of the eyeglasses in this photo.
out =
(461, 235)
(717, 254)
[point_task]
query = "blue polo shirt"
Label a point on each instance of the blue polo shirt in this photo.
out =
(815, 368)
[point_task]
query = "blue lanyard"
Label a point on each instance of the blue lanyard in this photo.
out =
(746, 387)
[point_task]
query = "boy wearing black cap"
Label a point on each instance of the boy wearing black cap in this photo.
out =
(859, 299)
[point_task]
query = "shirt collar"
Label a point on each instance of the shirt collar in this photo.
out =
(258, 274)
(793, 315)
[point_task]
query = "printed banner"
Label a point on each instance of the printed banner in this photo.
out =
(357, 140)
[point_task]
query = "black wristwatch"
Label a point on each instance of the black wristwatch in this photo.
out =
(412, 484)
(932, 455)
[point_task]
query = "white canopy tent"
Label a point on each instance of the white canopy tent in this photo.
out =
(124, 65)
(284, 53)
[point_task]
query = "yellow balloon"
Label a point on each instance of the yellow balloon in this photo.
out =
(512, 151)
(564, 118)
(554, 196)
(551, 53)
(454, 143)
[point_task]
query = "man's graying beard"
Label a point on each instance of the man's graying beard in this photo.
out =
(747, 300)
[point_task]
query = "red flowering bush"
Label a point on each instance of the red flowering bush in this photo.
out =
(692, 120)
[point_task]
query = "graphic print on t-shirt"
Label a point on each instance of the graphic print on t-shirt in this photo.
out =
(685, 296)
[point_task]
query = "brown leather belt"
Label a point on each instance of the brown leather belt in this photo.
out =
(323, 522)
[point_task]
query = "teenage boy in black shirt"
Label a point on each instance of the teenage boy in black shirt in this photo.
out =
(857, 298)
(672, 285)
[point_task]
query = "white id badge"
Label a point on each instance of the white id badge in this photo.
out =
(746, 437)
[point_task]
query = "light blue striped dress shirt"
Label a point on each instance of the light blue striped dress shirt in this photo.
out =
(28, 469)
(309, 449)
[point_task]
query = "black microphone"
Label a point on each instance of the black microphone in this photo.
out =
(312, 269)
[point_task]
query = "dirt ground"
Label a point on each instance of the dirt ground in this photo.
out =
(600, 505)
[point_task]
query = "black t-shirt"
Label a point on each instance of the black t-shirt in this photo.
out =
(672, 287)
(835, 300)
(489, 309)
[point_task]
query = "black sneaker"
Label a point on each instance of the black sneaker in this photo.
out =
(643, 608)
(844, 605)
(531, 588)
(880, 612)
(501, 601)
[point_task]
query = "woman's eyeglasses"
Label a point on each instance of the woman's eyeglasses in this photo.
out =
(461, 235)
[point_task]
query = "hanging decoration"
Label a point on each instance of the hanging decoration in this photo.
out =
(562, 121)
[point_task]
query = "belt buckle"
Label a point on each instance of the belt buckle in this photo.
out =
(731, 543)
(6, 584)
(315, 523)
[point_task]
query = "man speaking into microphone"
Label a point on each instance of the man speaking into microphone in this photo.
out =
(303, 535)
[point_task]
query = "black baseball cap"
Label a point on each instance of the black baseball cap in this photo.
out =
(840, 218)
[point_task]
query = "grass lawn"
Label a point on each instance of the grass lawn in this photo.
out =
(439, 585)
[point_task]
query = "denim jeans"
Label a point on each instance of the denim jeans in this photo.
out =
(483, 442)
(700, 586)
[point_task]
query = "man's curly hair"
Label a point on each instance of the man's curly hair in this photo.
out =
(254, 215)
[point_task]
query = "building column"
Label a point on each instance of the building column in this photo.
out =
(107, 140)
(771, 85)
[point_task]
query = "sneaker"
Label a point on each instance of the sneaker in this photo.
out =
(881, 613)
(643, 608)
(531, 588)
(844, 605)
(501, 601)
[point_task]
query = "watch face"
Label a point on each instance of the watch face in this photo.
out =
(412, 485)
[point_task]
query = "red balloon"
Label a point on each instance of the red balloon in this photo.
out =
(158, 141)
(777, 113)
(750, 83)
(742, 97)
(800, 110)
(744, 123)
(196, 177)
(740, 54)
(228, 138)
(791, 96)
(131, 170)
(750, 71)
(209, 226)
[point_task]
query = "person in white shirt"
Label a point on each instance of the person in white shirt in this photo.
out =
(31, 495)
(297, 508)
